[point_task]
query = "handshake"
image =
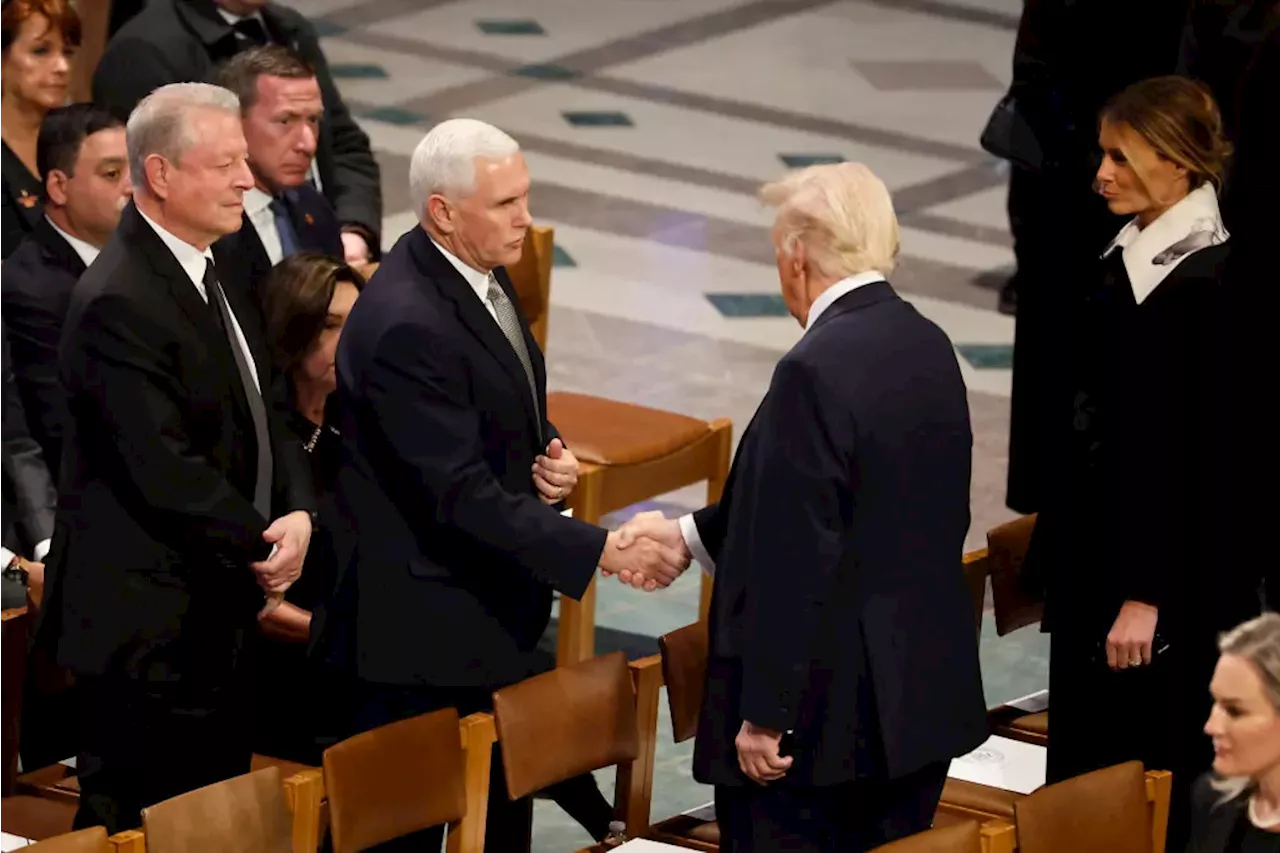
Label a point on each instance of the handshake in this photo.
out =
(647, 552)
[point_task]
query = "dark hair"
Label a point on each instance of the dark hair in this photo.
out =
(1178, 117)
(240, 73)
(64, 130)
(60, 13)
(296, 299)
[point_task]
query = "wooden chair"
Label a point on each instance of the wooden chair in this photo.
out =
(628, 453)
(963, 837)
(408, 776)
(1105, 811)
(245, 814)
(579, 718)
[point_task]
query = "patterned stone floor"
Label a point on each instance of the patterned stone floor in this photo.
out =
(648, 125)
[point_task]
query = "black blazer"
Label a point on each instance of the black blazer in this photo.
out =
(1217, 828)
(313, 221)
(839, 608)
(35, 292)
(22, 199)
(456, 557)
(175, 41)
(156, 525)
(29, 497)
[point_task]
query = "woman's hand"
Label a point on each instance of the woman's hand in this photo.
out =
(1130, 639)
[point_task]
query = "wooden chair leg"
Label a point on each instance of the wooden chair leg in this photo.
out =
(576, 637)
(478, 736)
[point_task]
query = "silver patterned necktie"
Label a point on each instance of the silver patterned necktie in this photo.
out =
(509, 323)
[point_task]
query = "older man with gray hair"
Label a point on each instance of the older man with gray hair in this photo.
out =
(843, 674)
(175, 466)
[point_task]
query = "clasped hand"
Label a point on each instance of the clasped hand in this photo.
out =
(291, 536)
(647, 552)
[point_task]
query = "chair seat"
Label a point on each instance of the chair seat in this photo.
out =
(36, 818)
(57, 781)
(609, 432)
(980, 798)
(1036, 724)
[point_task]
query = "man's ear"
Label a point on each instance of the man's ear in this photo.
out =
(159, 172)
(55, 187)
(441, 213)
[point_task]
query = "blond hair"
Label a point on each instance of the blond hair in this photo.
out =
(1258, 642)
(843, 215)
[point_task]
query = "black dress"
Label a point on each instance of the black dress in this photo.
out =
(1141, 518)
(23, 195)
(1224, 827)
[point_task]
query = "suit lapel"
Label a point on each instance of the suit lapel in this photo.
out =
(313, 221)
(57, 251)
(479, 322)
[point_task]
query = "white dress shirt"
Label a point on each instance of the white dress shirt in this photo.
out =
(479, 281)
(37, 556)
(257, 206)
(87, 253)
(828, 297)
(192, 261)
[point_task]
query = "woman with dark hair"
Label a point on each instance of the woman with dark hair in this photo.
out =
(39, 39)
(306, 300)
(1136, 587)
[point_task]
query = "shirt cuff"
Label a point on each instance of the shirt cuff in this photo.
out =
(693, 541)
(41, 551)
(6, 557)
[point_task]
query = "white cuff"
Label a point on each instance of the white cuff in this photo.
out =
(41, 551)
(6, 557)
(693, 541)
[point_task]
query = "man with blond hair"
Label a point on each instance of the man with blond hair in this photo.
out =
(843, 674)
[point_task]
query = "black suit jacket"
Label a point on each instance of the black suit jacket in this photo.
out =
(35, 293)
(314, 222)
(156, 524)
(456, 556)
(174, 41)
(21, 198)
(29, 497)
(1214, 825)
(839, 609)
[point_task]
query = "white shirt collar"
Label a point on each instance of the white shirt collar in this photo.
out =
(233, 19)
(191, 259)
(256, 201)
(829, 296)
(87, 253)
(1151, 253)
(479, 281)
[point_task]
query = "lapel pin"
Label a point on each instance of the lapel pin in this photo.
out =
(309, 219)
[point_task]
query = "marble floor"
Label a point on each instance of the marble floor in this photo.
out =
(648, 126)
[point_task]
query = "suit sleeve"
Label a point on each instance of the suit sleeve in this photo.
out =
(800, 480)
(34, 328)
(24, 469)
(355, 187)
(122, 385)
(129, 70)
(418, 397)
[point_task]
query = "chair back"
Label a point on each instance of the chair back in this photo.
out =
(963, 837)
(395, 780)
(91, 840)
(13, 648)
(531, 277)
(1007, 550)
(566, 722)
(684, 669)
(1105, 810)
(245, 814)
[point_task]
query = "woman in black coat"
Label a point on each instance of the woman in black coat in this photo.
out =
(1135, 590)
(1236, 809)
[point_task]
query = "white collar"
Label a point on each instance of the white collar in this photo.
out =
(87, 252)
(479, 281)
(256, 201)
(233, 19)
(1151, 253)
(828, 297)
(191, 259)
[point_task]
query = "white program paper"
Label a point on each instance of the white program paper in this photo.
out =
(1032, 703)
(11, 842)
(644, 845)
(1003, 763)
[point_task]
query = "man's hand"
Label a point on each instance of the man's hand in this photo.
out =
(556, 473)
(35, 581)
(291, 534)
(354, 248)
(758, 754)
(1129, 641)
(652, 525)
(646, 562)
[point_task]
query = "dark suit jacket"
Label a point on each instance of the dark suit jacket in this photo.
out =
(156, 525)
(29, 498)
(173, 41)
(1214, 825)
(35, 293)
(839, 608)
(456, 557)
(314, 222)
(21, 198)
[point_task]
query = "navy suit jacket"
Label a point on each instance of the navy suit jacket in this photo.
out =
(840, 609)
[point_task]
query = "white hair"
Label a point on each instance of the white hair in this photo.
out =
(843, 215)
(444, 161)
(160, 123)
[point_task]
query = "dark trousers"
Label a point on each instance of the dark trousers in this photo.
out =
(143, 742)
(847, 818)
(509, 825)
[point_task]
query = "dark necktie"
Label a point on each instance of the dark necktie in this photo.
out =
(251, 30)
(284, 226)
(257, 409)
(509, 323)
